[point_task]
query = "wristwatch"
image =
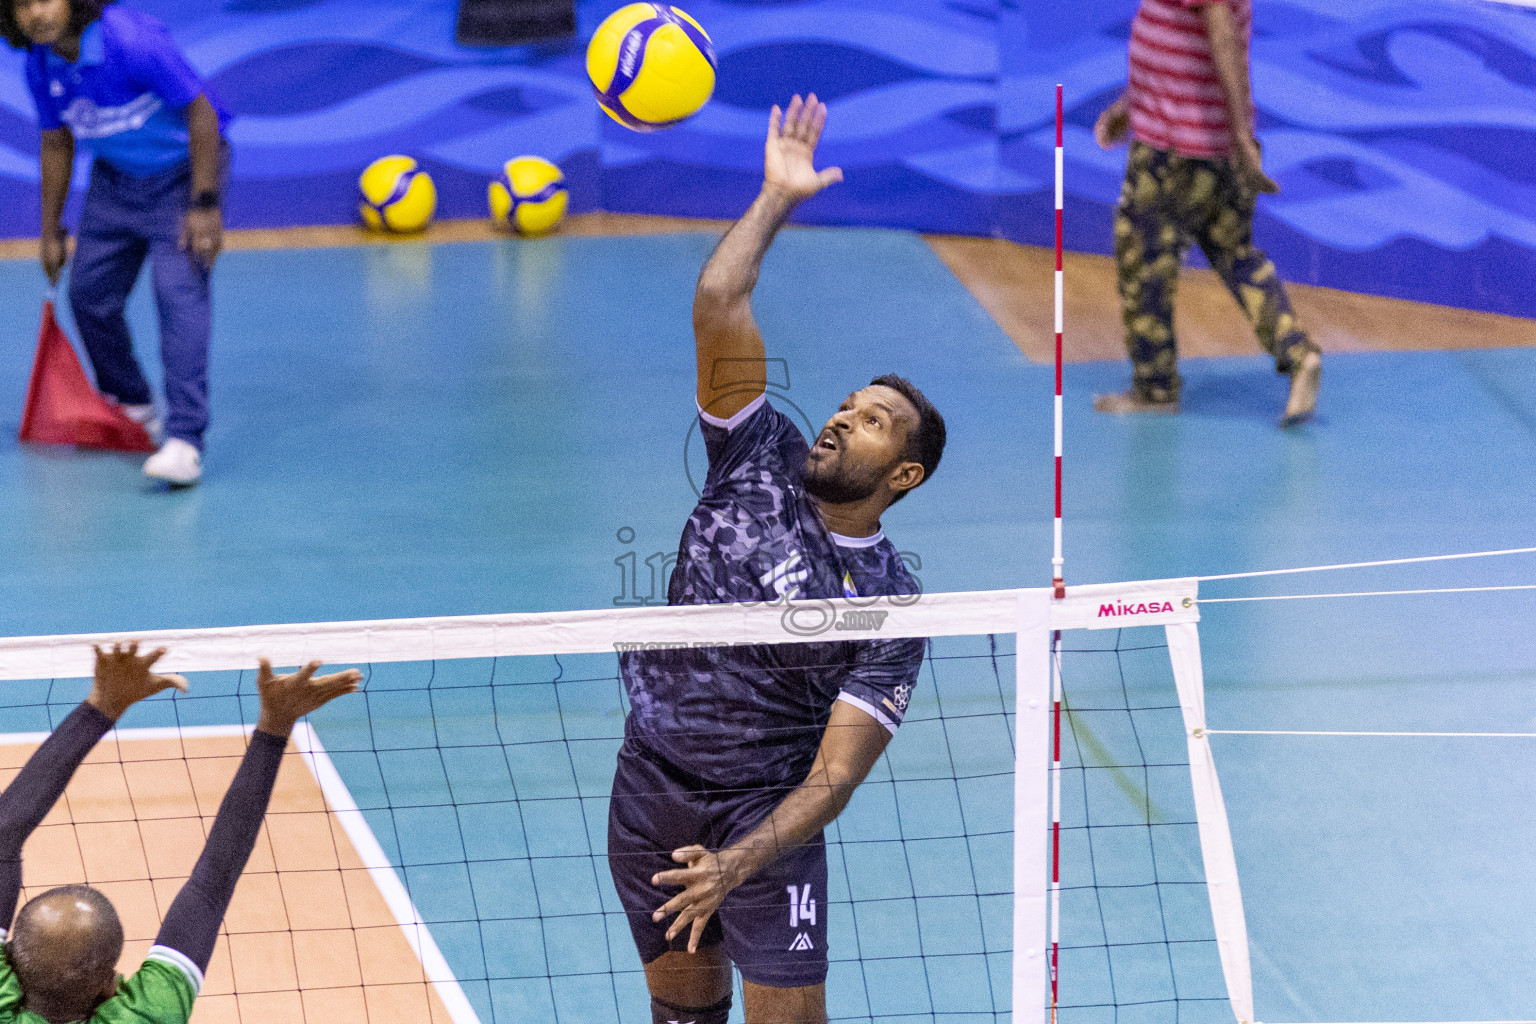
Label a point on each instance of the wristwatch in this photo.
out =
(207, 199)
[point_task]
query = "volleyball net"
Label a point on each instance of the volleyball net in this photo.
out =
(1045, 838)
(437, 846)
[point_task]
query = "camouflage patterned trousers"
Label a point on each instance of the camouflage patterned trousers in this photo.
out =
(1166, 202)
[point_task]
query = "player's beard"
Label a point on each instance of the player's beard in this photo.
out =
(832, 482)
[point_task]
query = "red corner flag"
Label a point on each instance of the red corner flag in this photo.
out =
(62, 406)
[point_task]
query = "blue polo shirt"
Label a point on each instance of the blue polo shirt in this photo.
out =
(126, 97)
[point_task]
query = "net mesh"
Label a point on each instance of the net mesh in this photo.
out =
(459, 807)
(1137, 940)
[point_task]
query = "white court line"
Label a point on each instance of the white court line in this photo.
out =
(170, 732)
(339, 798)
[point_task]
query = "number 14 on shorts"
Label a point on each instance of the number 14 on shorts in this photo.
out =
(802, 909)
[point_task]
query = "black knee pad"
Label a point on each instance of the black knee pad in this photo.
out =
(666, 1013)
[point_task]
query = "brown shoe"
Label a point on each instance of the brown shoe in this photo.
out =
(1305, 378)
(1132, 402)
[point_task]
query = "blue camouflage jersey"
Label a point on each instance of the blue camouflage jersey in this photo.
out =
(753, 716)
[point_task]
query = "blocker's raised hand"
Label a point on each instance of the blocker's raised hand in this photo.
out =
(792, 137)
(286, 699)
(123, 679)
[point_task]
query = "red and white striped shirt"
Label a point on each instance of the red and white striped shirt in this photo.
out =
(1175, 96)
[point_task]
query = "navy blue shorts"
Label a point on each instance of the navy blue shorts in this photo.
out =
(773, 925)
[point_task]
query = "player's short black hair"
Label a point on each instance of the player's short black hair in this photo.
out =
(925, 445)
(65, 980)
(81, 14)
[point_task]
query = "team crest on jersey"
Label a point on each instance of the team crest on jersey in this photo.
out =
(88, 121)
(901, 694)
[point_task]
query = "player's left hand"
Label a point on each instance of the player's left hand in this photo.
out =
(202, 234)
(705, 882)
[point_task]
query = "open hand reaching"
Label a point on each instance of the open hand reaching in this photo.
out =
(123, 678)
(286, 699)
(792, 138)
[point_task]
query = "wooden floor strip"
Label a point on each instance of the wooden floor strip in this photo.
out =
(1013, 283)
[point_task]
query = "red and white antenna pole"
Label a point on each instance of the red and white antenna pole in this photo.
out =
(1059, 583)
(1057, 576)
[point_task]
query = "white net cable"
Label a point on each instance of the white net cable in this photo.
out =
(1379, 563)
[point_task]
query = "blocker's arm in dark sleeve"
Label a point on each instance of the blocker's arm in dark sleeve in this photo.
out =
(122, 678)
(850, 747)
(731, 370)
(191, 926)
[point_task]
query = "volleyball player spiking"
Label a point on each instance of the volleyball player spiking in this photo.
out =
(735, 759)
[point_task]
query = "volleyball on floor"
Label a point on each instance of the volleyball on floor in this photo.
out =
(397, 195)
(530, 196)
(651, 66)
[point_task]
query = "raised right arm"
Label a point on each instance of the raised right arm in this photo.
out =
(122, 678)
(34, 791)
(729, 348)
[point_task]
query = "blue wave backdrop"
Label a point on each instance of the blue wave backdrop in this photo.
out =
(1403, 134)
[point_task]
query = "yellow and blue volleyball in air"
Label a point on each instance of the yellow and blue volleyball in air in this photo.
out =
(651, 66)
(530, 196)
(397, 195)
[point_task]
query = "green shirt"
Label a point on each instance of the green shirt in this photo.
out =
(161, 992)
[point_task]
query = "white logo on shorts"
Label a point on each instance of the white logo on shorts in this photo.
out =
(801, 907)
(802, 942)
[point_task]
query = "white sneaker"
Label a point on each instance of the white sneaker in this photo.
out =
(176, 462)
(144, 416)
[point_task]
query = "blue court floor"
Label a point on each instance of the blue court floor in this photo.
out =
(411, 430)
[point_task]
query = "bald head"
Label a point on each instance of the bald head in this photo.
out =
(64, 949)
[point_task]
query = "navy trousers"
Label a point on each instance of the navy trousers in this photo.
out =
(125, 219)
